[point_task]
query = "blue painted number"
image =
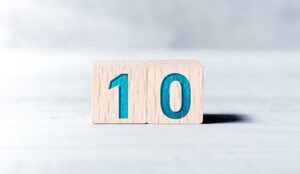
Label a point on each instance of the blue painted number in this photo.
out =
(185, 93)
(122, 82)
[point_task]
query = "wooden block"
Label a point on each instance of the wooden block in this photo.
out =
(119, 92)
(174, 92)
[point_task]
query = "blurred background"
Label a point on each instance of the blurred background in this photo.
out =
(145, 24)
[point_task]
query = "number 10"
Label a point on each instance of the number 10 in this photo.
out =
(122, 82)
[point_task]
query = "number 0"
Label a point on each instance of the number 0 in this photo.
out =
(185, 96)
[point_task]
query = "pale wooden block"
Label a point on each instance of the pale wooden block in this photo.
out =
(105, 101)
(157, 71)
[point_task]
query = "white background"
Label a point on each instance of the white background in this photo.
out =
(150, 24)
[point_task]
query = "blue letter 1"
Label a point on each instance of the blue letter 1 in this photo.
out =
(122, 81)
(185, 93)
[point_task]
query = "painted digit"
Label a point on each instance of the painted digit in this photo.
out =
(185, 96)
(122, 82)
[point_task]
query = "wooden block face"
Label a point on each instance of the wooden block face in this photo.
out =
(119, 90)
(175, 88)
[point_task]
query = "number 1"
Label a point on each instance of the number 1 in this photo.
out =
(122, 82)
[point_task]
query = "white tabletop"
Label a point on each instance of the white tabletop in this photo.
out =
(251, 121)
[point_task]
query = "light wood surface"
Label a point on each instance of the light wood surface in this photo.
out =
(157, 71)
(105, 101)
(144, 93)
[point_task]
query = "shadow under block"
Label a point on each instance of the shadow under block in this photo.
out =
(157, 72)
(109, 83)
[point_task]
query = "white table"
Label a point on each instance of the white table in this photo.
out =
(252, 105)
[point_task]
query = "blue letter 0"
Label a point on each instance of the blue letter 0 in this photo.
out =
(122, 81)
(185, 93)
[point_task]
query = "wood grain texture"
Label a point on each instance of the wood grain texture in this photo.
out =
(105, 101)
(157, 71)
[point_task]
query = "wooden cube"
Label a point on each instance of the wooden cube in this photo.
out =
(119, 92)
(174, 92)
